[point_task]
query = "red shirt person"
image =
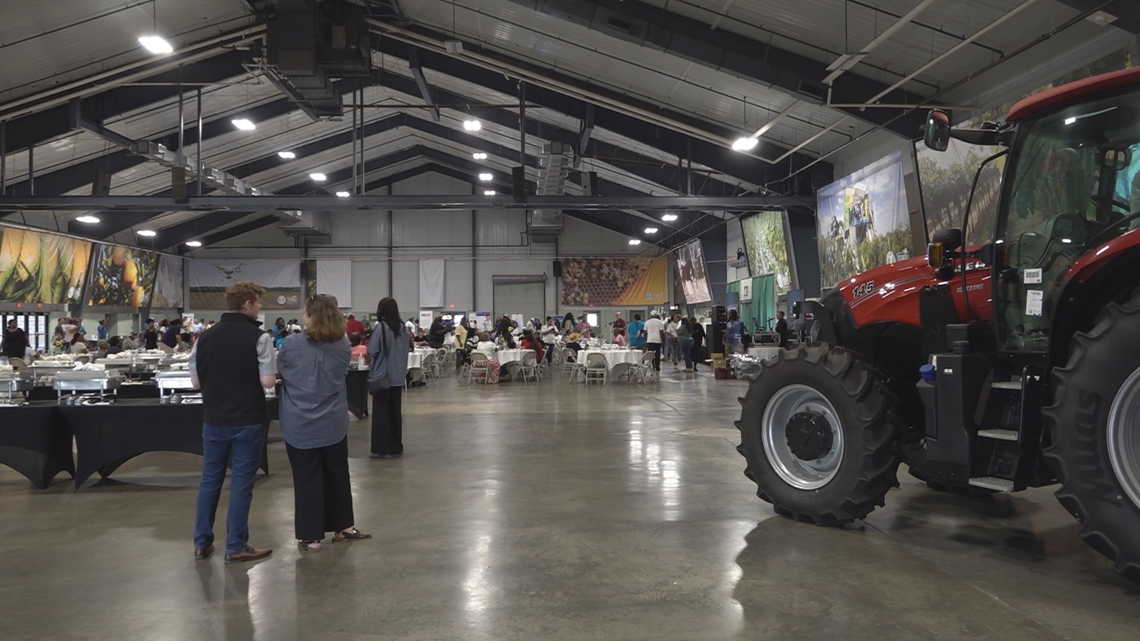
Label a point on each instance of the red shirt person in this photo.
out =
(353, 326)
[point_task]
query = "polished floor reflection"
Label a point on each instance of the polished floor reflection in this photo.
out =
(551, 511)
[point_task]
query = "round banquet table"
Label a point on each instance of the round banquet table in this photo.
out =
(764, 352)
(415, 360)
(505, 356)
(613, 356)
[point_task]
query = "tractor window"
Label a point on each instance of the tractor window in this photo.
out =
(1074, 186)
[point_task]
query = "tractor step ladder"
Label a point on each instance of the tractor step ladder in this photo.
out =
(1001, 435)
(992, 483)
(999, 438)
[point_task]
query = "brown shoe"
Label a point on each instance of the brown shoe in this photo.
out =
(201, 554)
(248, 554)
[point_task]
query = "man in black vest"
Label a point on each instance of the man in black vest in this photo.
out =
(231, 363)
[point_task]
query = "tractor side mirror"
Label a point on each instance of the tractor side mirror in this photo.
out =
(950, 238)
(938, 252)
(937, 134)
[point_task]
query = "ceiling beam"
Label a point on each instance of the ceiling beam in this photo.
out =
(238, 230)
(112, 205)
(421, 83)
(53, 123)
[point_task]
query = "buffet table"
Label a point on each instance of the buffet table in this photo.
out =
(106, 436)
(35, 440)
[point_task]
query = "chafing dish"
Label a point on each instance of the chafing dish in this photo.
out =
(173, 381)
(14, 384)
(88, 381)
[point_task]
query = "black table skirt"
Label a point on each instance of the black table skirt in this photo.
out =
(35, 440)
(357, 383)
(106, 436)
(148, 390)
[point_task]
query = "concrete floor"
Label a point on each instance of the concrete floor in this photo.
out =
(551, 511)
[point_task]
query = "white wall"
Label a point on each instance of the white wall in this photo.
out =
(502, 249)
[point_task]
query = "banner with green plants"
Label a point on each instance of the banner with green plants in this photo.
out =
(38, 267)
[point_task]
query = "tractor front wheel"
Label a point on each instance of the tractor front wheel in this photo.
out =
(818, 436)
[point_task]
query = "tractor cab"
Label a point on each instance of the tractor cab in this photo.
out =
(1071, 185)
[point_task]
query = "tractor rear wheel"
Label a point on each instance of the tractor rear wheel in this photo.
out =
(1095, 427)
(818, 436)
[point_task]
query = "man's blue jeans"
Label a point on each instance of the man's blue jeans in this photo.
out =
(218, 441)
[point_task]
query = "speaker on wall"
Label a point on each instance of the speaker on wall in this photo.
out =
(590, 182)
(558, 269)
(518, 182)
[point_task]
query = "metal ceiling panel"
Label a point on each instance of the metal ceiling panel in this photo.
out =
(628, 68)
(50, 43)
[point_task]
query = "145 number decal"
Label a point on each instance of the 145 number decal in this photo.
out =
(865, 289)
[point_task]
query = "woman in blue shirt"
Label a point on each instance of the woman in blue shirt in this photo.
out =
(314, 422)
(636, 332)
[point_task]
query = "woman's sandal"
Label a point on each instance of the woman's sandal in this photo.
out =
(309, 546)
(351, 535)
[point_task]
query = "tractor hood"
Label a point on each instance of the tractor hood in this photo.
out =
(890, 293)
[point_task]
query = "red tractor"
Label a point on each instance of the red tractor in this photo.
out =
(986, 367)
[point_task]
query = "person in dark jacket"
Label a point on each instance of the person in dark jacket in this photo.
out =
(389, 349)
(232, 363)
(314, 423)
(698, 332)
(437, 333)
(782, 329)
(15, 340)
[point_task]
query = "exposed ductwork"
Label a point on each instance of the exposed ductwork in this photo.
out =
(309, 46)
(554, 166)
(313, 226)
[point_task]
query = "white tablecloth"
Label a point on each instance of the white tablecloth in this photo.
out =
(415, 359)
(505, 356)
(763, 352)
(613, 356)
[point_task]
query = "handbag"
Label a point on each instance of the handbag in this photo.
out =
(378, 384)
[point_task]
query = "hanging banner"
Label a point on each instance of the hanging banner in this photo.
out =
(693, 273)
(280, 278)
(631, 282)
(767, 241)
(169, 284)
(334, 278)
(37, 267)
(863, 221)
(431, 283)
(121, 276)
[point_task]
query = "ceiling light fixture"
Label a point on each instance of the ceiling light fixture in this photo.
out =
(90, 220)
(634, 241)
(479, 155)
(651, 230)
(669, 217)
(193, 243)
(317, 176)
(489, 192)
(485, 177)
(472, 125)
(744, 144)
(287, 155)
(343, 194)
(244, 124)
(155, 44)
(149, 233)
